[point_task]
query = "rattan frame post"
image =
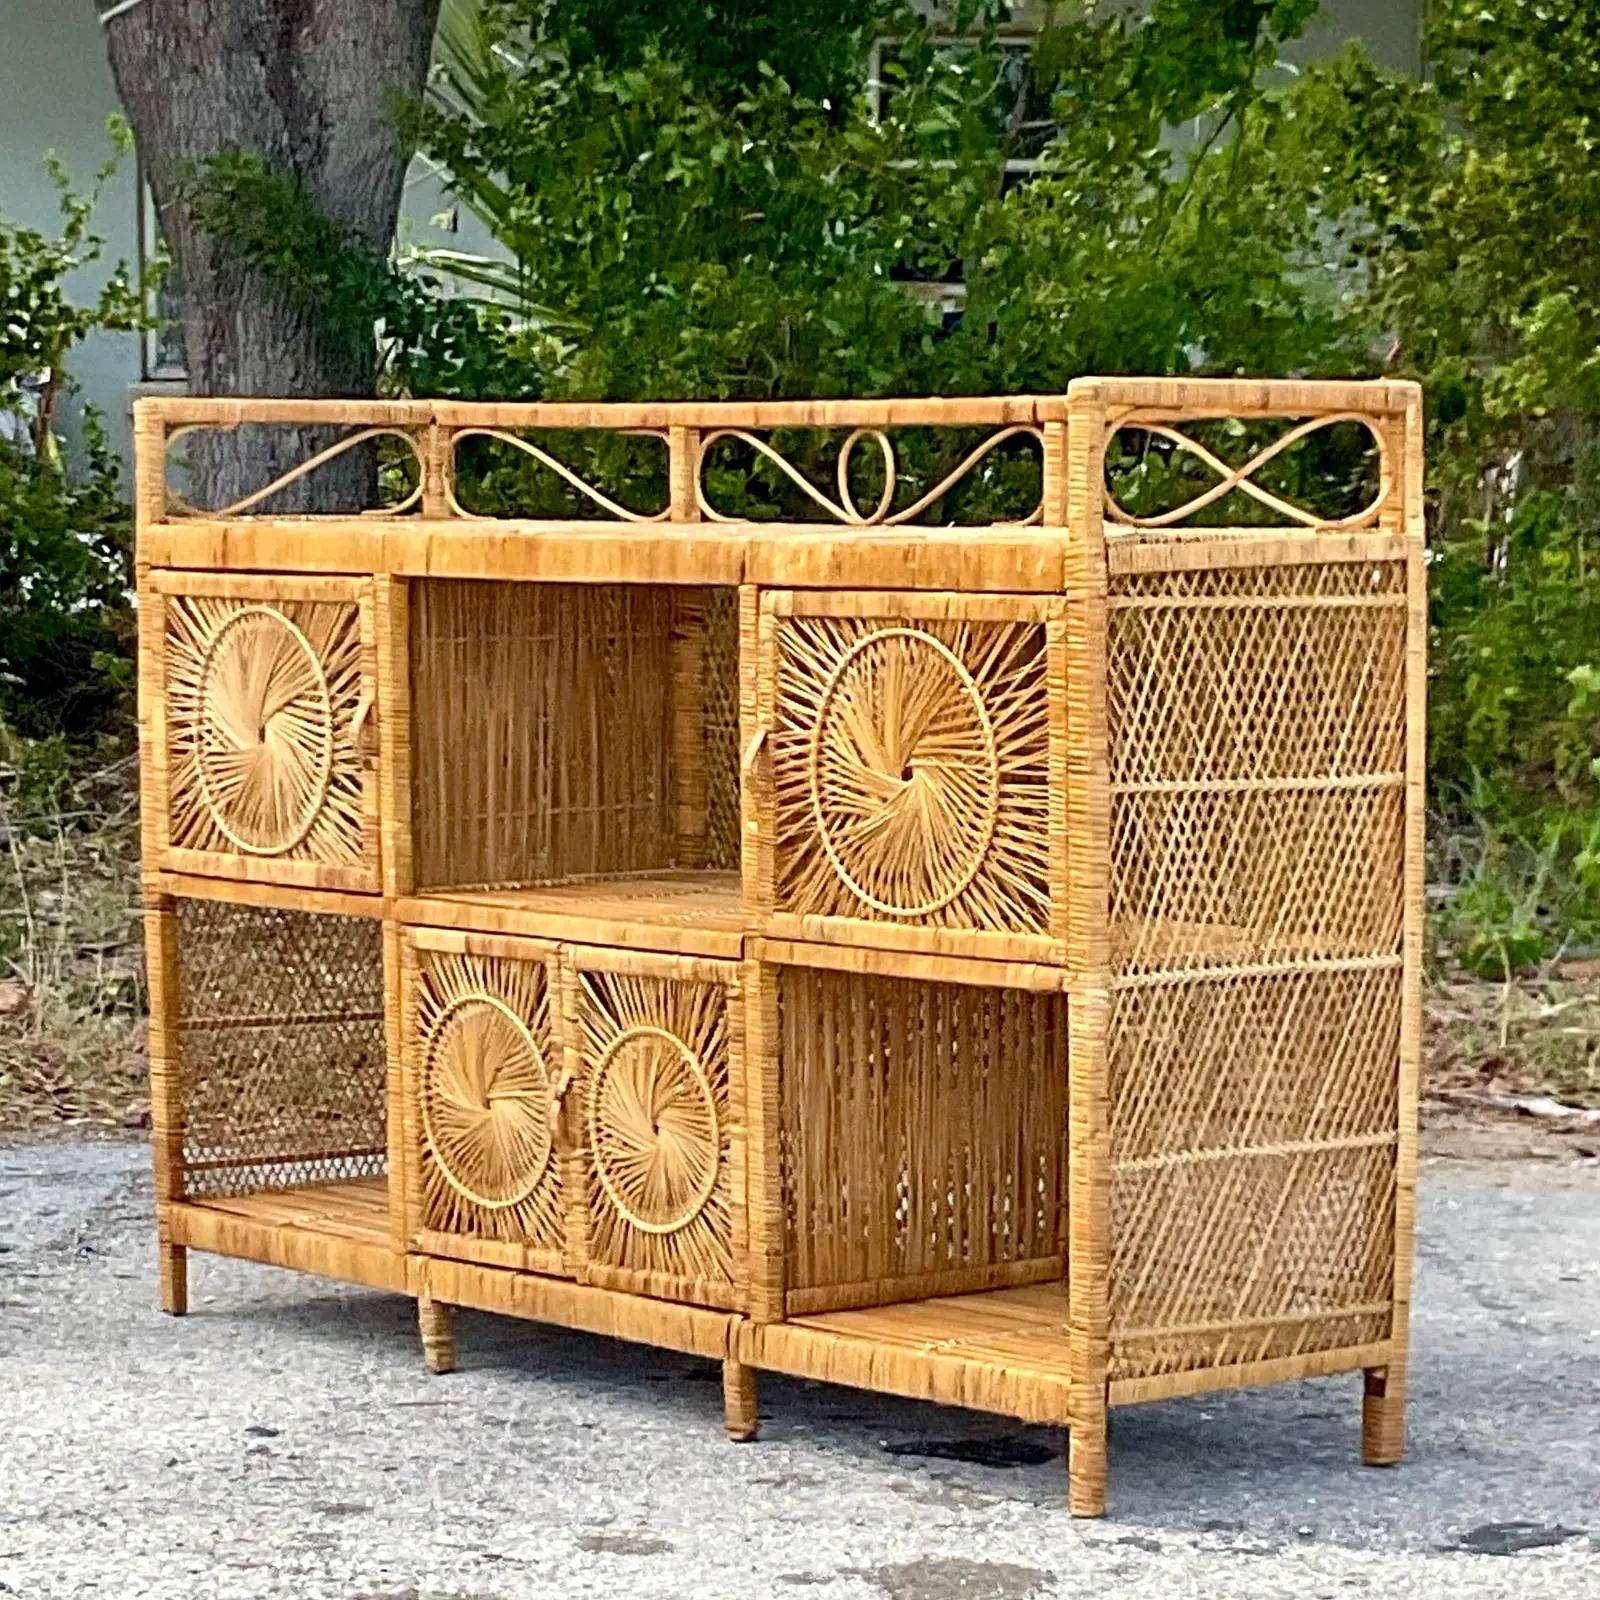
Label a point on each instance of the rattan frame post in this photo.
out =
(1112, 813)
(1088, 954)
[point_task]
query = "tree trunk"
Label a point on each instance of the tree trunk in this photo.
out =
(310, 86)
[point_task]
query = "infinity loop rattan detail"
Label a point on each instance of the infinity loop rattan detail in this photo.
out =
(792, 924)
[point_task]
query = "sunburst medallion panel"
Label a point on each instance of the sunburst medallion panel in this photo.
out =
(910, 771)
(657, 1124)
(263, 705)
(486, 1069)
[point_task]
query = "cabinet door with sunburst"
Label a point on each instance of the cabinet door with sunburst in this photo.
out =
(657, 1107)
(907, 796)
(483, 1070)
(260, 702)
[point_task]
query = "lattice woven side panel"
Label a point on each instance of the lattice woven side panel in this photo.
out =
(658, 1117)
(485, 1067)
(1257, 737)
(910, 772)
(723, 831)
(1257, 723)
(540, 719)
(261, 707)
(282, 1073)
(923, 1126)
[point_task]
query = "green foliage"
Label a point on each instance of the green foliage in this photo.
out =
(695, 201)
(66, 568)
(310, 263)
(1466, 214)
(699, 199)
(740, 232)
(39, 321)
(65, 531)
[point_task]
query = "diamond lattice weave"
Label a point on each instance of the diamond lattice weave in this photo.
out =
(1257, 739)
(281, 1045)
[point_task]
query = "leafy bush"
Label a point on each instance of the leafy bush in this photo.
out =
(699, 200)
(1468, 233)
(66, 568)
(65, 531)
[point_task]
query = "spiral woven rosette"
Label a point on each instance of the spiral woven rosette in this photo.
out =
(911, 762)
(656, 1116)
(485, 1093)
(262, 702)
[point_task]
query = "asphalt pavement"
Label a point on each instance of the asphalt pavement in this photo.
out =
(284, 1441)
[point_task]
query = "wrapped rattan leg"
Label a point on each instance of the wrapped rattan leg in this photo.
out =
(1086, 1466)
(739, 1401)
(174, 1269)
(437, 1323)
(1383, 1415)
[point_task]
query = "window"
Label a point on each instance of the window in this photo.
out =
(161, 357)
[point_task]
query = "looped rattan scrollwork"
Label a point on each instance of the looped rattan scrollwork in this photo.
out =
(175, 502)
(1241, 478)
(845, 509)
(560, 468)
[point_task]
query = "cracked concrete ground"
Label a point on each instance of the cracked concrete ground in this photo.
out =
(283, 1440)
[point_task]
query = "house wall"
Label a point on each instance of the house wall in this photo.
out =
(56, 93)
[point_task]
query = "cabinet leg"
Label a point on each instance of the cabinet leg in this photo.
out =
(1086, 1464)
(1383, 1415)
(174, 1270)
(739, 1401)
(437, 1323)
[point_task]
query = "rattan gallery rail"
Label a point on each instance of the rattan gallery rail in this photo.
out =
(807, 922)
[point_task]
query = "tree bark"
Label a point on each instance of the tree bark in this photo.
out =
(310, 86)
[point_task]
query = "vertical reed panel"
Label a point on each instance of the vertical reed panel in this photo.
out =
(542, 729)
(689, 696)
(923, 1125)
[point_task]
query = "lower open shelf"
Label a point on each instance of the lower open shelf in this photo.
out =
(1004, 1350)
(336, 1230)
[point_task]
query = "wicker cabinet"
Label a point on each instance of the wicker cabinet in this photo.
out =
(975, 960)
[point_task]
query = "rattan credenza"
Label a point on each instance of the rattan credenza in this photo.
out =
(974, 962)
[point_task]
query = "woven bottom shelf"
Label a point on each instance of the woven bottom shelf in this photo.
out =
(1004, 1350)
(688, 911)
(336, 1230)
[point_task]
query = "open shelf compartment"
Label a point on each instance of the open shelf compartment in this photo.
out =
(268, 1036)
(919, 1129)
(1002, 1350)
(573, 752)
